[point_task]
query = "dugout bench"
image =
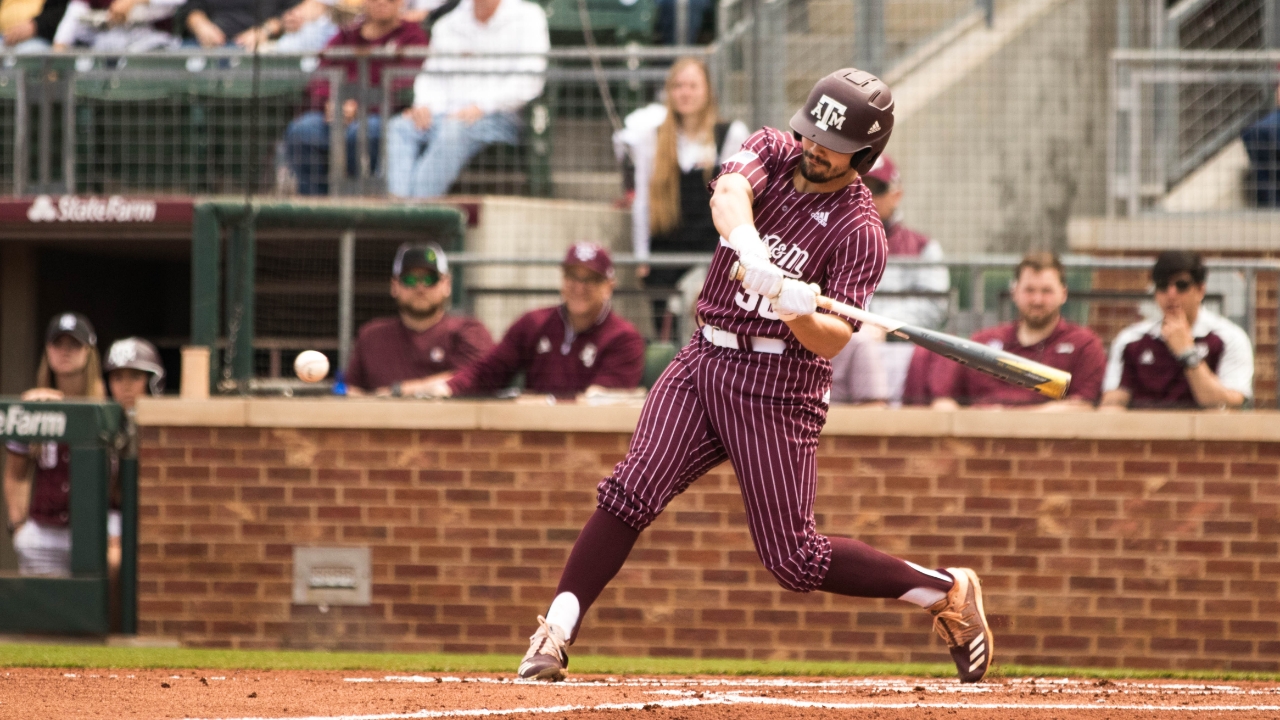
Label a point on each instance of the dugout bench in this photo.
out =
(77, 604)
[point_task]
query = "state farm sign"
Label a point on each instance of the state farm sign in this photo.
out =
(72, 208)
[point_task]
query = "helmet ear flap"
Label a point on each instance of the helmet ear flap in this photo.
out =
(864, 160)
(796, 134)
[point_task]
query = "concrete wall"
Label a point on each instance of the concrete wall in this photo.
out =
(1138, 540)
(1004, 137)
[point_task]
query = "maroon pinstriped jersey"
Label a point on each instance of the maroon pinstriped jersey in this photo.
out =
(833, 239)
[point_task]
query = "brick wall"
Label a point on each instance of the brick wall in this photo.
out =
(1102, 553)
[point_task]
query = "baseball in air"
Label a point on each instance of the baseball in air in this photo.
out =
(311, 366)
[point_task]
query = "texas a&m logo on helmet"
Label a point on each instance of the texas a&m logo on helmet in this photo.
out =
(829, 114)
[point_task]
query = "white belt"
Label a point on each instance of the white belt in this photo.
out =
(724, 338)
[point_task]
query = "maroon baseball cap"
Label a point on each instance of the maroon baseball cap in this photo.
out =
(591, 256)
(884, 170)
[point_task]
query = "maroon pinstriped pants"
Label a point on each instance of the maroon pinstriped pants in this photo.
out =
(762, 412)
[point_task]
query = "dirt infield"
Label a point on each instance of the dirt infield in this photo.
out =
(48, 694)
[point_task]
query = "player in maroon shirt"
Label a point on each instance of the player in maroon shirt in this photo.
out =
(403, 355)
(751, 386)
(567, 349)
(1040, 334)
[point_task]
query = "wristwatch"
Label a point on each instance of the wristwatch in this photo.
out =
(1190, 359)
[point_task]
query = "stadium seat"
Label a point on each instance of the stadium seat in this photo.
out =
(613, 22)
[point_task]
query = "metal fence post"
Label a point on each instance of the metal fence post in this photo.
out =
(682, 23)
(69, 134)
(346, 295)
(1271, 23)
(21, 134)
(206, 261)
(869, 36)
(337, 137)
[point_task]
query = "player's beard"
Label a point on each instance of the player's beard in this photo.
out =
(419, 312)
(1041, 322)
(819, 171)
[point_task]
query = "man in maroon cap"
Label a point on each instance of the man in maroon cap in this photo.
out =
(885, 184)
(402, 355)
(1040, 334)
(567, 349)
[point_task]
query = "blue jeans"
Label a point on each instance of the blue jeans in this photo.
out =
(306, 143)
(1262, 142)
(424, 163)
(666, 25)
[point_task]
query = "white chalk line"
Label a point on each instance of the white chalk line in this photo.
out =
(734, 699)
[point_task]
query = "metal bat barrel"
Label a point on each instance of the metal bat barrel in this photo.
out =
(1048, 381)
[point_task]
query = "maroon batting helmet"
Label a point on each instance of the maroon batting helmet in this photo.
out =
(849, 111)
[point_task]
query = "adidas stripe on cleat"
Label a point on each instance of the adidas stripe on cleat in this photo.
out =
(547, 657)
(961, 620)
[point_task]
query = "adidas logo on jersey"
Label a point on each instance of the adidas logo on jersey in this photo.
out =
(821, 216)
(875, 128)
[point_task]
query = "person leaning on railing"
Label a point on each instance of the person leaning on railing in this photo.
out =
(675, 150)
(1040, 334)
(403, 355)
(579, 346)
(40, 509)
(307, 137)
(1188, 357)
(470, 95)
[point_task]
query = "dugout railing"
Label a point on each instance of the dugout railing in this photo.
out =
(79, 602)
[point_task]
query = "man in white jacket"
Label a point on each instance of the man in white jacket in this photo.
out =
(487, 62)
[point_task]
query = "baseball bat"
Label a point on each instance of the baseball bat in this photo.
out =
(1048, 381)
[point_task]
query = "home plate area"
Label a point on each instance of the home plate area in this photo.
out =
(224, 695)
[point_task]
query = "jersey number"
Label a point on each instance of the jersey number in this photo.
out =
(749, 301)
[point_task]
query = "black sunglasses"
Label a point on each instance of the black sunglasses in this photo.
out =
(428, 280)
(1181, 285)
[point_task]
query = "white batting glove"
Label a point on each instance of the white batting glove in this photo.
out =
(745, 240)
(796, 299)
(761, 276)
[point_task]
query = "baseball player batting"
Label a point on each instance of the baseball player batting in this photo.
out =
(751, 386)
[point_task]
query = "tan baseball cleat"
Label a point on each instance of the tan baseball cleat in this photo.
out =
(547, 657)
(961, 621)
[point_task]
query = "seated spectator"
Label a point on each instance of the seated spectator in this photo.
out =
(928, 378)
(467, 98)
(1189, 357)
(1262, 142)
(676, 150)
(857, 376)
(403, 355)
(307, 137)
(246, 23)
(28, 26)
(40, 510)
(311, 24)
(575, 347)
(1040, 334)
(885, 184)
(127, 26)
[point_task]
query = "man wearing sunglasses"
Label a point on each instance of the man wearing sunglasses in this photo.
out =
(564, 350)
(1189, 357)
(402, 355)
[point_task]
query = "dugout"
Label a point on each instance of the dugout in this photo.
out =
(127, 264)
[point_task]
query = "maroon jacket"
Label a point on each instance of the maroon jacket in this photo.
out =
(1069, 347)
(557, 361)
(406, 35)
(387, 352)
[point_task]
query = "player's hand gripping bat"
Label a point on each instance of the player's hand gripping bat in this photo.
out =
(1048, 381)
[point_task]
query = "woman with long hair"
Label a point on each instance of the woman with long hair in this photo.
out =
(39, 509)
(676, 149)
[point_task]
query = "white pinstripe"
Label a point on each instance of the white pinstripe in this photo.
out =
(764, 412)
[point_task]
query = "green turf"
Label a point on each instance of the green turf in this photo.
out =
(83, 656)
